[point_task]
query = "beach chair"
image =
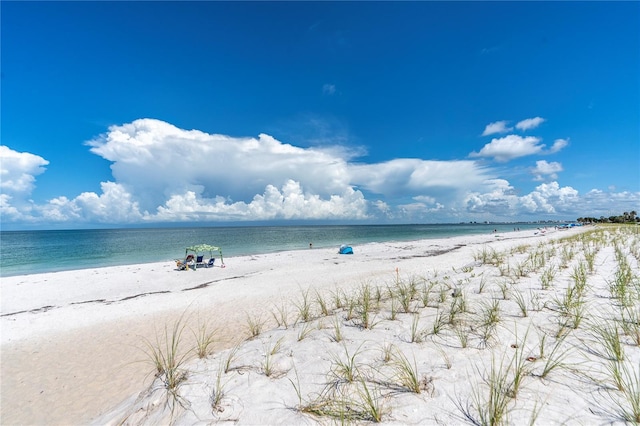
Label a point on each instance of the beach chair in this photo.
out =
(200, 261)
(210, 263)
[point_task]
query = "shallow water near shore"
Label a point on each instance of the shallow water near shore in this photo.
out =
(30, 252)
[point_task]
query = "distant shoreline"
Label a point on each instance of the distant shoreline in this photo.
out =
(27, 252)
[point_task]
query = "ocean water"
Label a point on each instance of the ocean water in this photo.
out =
(29, 252)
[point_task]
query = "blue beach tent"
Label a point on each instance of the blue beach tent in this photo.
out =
(344, 249)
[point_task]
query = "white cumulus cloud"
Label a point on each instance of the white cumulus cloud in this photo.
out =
(551, 198)
(18, 170)
(557, 146)
(529, 123)
(288, 202)
(496, 127)
(162, 173)
(160, 160)
(545, 169)
(510, 147)
(545, 199)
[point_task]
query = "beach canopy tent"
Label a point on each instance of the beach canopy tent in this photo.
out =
(202, 249)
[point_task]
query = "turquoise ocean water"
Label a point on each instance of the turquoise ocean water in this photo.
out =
(29, 252)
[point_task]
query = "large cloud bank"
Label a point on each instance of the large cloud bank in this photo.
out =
(162, 173)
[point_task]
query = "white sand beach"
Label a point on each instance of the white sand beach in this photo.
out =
(515, 327)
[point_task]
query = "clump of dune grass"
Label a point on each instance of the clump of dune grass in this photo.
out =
(442, 295)
(482, 256)
(490, 316)
(521, 269)
(230, 358)
(504, 269)
(204, 338)
(622, 287)
(269, 352)
(521, 248)
(365, 307)
(501, 385)
(425, 296)
(445, 357)
(536, 260)
(459, 302)
(337, 330)
(547, 277)
(489, 406)
(521, 302)
(322, 304)
(571, 307)
(304, 331)
(554, 359)
(461, 332)
(350, 304)
(614, 370)
(406, 373)
(535, 301)
(416, 331)
(167, 358)
(482, 284)
(566, 255)
(542, 339)
(393, 310)
(519, 368)
(345, 404)
(346, 368)
(579, 276)
(281, 315)
(218, 392)
(255, 325)
(337, 298)
(304, 307)
(608, 336)
(504, 289)
(630, 322)
(491, 313)
(628, 405)
(489, 256)
(387, 352)
(371, 402)
(590, 258)
(438, 323)
(406, 293)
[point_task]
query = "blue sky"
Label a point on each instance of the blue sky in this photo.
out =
(137, 113)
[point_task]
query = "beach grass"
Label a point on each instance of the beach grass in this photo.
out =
(204, 337)
(217, 392)
(255, 324)
(406, 373)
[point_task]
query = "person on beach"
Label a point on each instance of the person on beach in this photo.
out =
(188, 262)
